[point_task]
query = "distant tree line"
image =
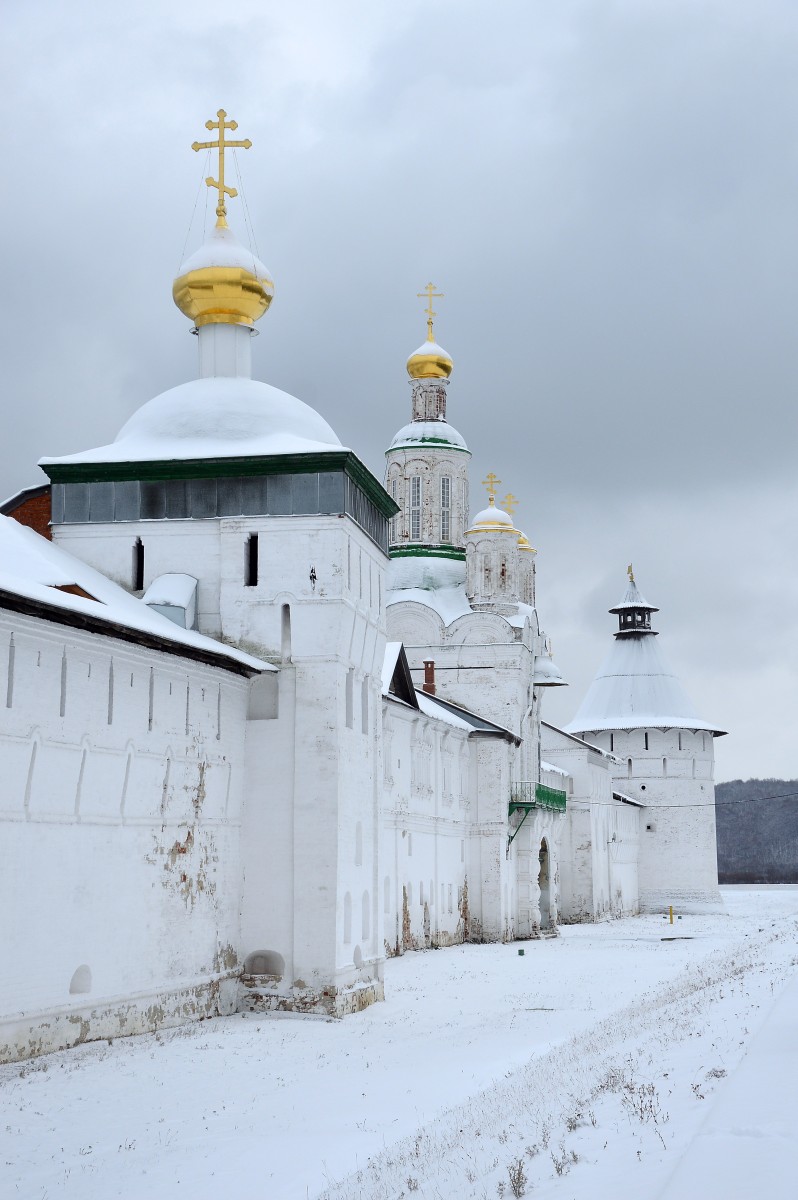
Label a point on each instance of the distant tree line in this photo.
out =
(757, 833)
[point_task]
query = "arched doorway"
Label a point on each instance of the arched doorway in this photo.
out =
(544, 882)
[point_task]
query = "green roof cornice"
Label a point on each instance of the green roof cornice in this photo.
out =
(427, 552)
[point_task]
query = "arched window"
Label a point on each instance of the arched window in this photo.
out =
(415, 508)
(664, 766)
(628, 768)
(446, 508)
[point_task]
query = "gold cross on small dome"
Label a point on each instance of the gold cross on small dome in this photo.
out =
(491, 483)
(510, 503)
(221, 145)
(430, 294)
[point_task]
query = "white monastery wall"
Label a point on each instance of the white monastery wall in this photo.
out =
(601, 836)
(121, 805)
(424, 830)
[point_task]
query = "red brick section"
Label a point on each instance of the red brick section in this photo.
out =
(35, 512)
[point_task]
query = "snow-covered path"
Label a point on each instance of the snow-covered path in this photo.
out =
(590, 1061)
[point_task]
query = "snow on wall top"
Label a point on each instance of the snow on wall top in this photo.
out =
(217, 417)
(419, 433)
(634, 689)
(34, 568)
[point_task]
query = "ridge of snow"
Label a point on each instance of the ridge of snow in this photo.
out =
(219, 417)
(222, 249)
(422, 432)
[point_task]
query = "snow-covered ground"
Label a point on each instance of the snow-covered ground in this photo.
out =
(585, 1068)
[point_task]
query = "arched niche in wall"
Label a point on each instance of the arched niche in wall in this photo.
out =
(80, 983)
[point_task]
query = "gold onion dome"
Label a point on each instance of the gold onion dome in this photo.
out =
(492, 519)
(223, 283)
(525, 544)
(430, 361)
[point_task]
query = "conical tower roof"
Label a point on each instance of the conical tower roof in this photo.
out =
(634, 688)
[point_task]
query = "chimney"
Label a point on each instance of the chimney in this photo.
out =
(429, 676)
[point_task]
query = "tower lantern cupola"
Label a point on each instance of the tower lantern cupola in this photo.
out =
(634, 613)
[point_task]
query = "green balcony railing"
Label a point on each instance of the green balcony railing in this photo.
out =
(536, 795)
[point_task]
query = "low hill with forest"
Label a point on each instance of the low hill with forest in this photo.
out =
(757, 822)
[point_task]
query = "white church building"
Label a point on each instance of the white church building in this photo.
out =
(266, 721)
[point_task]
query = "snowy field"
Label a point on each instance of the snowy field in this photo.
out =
(586, 1068)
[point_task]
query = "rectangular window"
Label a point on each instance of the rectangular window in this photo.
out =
(446, 509)
(415, 508)
(251, 561)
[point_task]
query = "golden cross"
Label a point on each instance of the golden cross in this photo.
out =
(510, 503)
(221, 145)
(630, 573)
(430, 293)
(491, 483)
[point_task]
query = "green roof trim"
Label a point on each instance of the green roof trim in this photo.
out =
(427, 552)
(217, 468)
(429, 441)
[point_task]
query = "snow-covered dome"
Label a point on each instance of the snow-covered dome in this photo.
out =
(430, 361)
(427, 433)
(218, 417)
(223, 283)
(492, 518)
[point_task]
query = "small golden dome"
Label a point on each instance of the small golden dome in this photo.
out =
(430, 361)
(222, 283)
(524, 544)
(492, 519)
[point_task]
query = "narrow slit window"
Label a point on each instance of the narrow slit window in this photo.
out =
(251, 561)
(394, 492)
(138, 565)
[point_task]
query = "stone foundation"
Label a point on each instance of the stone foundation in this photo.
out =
(259, 994)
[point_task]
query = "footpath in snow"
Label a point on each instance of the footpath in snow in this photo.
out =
(604, 1063)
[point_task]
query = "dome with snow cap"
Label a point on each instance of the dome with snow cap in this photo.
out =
(218, 417)
(492, 518)
(223, 283)
(430, 361)
(428, 433)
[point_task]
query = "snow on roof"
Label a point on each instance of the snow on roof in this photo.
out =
(424, 432)
(34, 568)
(215, 418)
(173, 588)
(432, 708)
(634, 689)
(222, 249)
(547, 766)
(633, 599)
(622, 796)
(392, 651)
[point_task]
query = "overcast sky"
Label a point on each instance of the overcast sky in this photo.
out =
(607, 194)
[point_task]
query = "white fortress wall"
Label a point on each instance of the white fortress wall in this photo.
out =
(121, 807)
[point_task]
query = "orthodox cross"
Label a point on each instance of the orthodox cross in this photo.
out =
(630, 573)
(221, 145)
(491, 483)
(510, 503)
(431, 294)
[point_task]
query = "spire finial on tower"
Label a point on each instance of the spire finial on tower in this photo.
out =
(221, 145)
(510, 503)
(630, 573)
(429, 293)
